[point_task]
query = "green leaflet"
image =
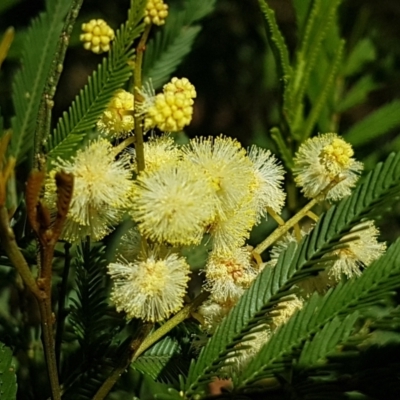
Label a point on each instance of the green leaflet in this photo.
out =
(162, 360)
(358, 93)
(376, 283)
(39, 49)
(374, 125)
(302, 8)
(8, 380)
(325, 341)
(378, 189)
(363, 52)
(277, 43)
(173, 41)
(324, 94)
(318, 25)
(74, 126)
(91, 323)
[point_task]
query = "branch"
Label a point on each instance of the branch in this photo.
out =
(142, 342)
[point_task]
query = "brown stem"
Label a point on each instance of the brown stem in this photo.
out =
(47, 322)
(41, 290)
(61, 304)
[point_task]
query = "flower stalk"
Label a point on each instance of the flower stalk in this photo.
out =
(139, 146)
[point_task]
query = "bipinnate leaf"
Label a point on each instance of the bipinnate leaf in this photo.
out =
(8, 380)
(358, 93)
(319, 23)
(375, 124)
(302, 10)
(363, 52)
(74, 126)
(39, 49)
(174, 41)
(374, 286)
(162, 360)
(277, 43)
(379, 189)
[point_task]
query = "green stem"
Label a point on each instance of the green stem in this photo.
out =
(143, 342)
(47, 103)
(281, 230)
(170, 324)
(14, 254)
(139, 146)
(61, 305)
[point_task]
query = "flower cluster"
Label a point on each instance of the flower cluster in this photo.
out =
(171, 110)
(213, 187)
(118, 119)
(155, 12)
(102, 187)
(97, 36)
(151, 288)
(206, 186)
(326, 160)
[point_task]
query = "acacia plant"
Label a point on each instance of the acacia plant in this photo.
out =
(110, 214)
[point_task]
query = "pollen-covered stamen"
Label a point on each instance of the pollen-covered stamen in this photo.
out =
(151, 288)
(336, 156)
(118, 119)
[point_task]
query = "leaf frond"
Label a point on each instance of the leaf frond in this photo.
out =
(298, 262)
(73, 127)
(174, 41)
(39, 48)
(376, 283)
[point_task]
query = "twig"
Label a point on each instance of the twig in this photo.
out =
(139, 147)
(15, 256)
(281, 230)
(143, 342)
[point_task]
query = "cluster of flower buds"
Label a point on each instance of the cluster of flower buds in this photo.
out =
(97, 36)
(171, 110)
(155, 12)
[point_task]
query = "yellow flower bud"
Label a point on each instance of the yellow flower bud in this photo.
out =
(97, 36)
(155, 12)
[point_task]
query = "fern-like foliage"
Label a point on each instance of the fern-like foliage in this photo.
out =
(92, 326)
(111, 74)
(169, 358)
(166, 355)
(320, 326)
(374, 286)
(39, 49)
(319, 23)
(379, 190)
(174, 41)
(278, 43)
